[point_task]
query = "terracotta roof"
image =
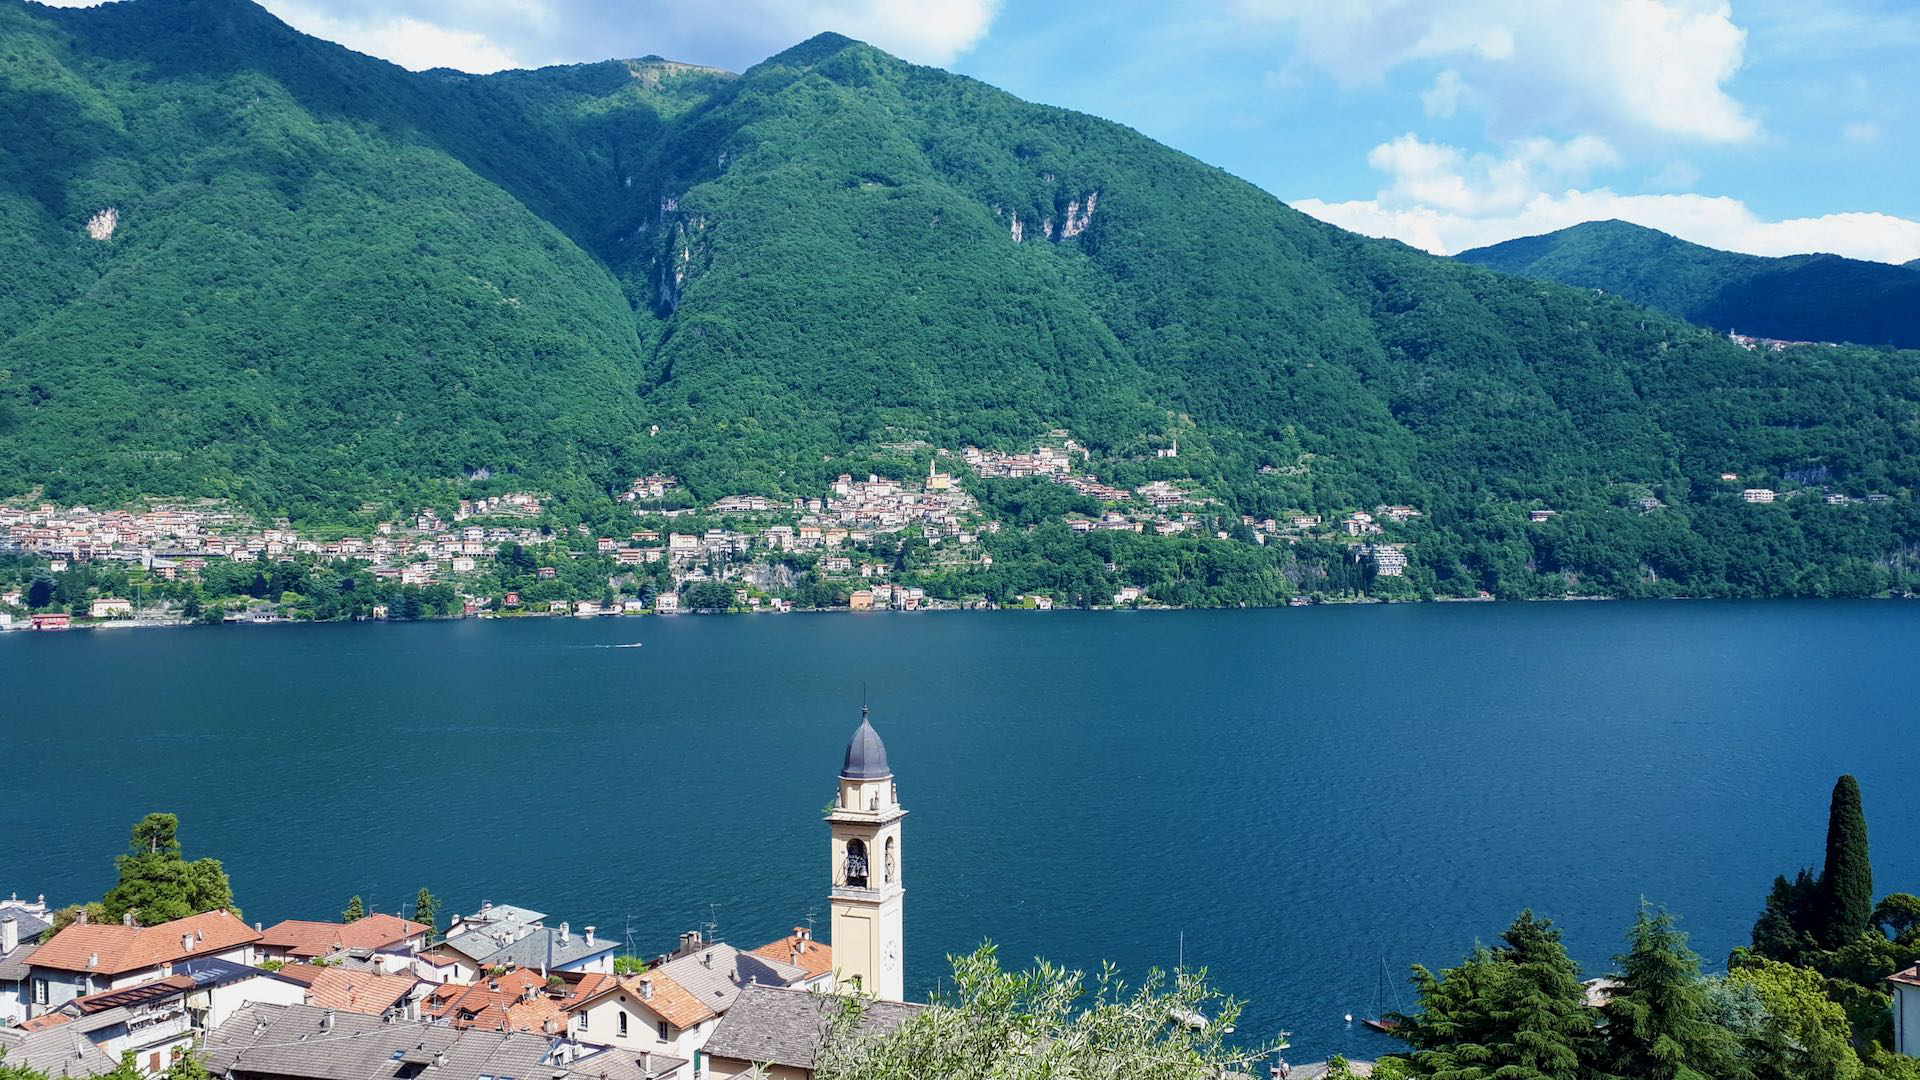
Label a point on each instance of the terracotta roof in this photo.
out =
(301, 937)
(47, 1020)
(817, 960)
(358, 991)
(1909, 977)
(113, 949)
(671, 1001)
(496, 1004)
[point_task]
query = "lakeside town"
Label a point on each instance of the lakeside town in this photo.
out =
(906, 543)
(502, 992)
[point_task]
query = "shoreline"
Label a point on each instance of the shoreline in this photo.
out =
(163, 624)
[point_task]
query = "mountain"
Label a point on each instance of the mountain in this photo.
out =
(1913, 264)
(1795, 298)
(250, 264)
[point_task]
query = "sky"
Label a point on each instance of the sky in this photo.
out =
(1766, 126)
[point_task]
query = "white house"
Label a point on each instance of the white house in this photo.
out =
(90, 958)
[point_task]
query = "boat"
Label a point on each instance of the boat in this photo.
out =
(1384, 1022)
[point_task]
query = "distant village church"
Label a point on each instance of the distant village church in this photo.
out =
(869, 938)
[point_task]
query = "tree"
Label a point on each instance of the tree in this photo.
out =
(355, 911)
(1897, 915)
(1517, 1012)
(40, 593)
(1846, 882)
(426, 909)
(1785, 929)
(1660, 1022)
(629, 965)
(1800, 1033)
(158, 884)
(1042, 1023)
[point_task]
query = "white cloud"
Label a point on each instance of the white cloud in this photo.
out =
(1618, 66)
(1442, 99)
(410, 42)
(1862, 131)
(1446, 201)
(1675, 176)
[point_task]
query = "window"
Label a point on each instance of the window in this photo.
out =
(623, 1025)
(40, 993)
(665, 1032)
(584, 1017)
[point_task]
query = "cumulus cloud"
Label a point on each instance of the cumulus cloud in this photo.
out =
(1444, 200)
(479, 35)
(1659, 66)
(407, 41)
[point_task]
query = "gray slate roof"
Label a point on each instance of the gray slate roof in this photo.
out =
(717, 972)
(531, 951)
(866, 754)
(13, 966)
(261, 1041)
(59, 1052)
(770, 1025)
(625, 1065)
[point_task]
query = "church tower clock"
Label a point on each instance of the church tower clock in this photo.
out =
(868, 895)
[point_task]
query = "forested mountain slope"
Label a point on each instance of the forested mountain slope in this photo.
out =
(1796, 297)
(331, 282)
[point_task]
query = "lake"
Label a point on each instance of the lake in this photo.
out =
(1302, 794)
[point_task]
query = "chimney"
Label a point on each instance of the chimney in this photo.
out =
(646, 1064)
(566, 933)
(9, 935)
(127, 919)
(440, 1060)
(82, 917)
(326, 1020)
(93, 961)
(796, 954)
(186, 942)
(589, 936)
(706, 959)
(646, 989)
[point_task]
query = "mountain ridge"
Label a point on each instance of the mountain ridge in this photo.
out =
(1813, 297)
(333, 284)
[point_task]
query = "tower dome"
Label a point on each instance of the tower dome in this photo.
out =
(866, 754)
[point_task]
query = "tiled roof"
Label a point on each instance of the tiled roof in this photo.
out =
(120, 949)
(137, 994)
(715, 974)
(615, 1064)
(658, 993)
(1910, 977)
(261, 1041)
(301, 937)
(358, 991)
(816, 961)
(59, 1053)
(13, 967)
(533, 950)
(771, 1025)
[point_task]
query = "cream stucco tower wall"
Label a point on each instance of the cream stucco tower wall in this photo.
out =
(869, 940)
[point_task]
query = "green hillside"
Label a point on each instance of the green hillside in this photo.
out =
(1795, 298)
(333, 282)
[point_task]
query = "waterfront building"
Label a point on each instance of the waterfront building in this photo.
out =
(301, 939)
(774, 1033)
(1906, 1011)
(90, 958)
(869, 892)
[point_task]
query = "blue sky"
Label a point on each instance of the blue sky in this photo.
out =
(1770, 126)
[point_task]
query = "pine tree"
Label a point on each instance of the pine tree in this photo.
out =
(355, 910)
(1846, 882)
(1660, 1020)
(1516, 1013)
(426, 909)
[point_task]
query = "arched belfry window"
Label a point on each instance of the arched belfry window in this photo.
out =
(857, 864)
(893, 862)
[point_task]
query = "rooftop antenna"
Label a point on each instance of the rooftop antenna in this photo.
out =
(809, 922)
(713, 923)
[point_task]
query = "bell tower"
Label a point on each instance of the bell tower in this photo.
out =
(868, 894)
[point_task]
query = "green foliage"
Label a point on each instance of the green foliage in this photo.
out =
(629, 965)
(1800, 1033)
(426, 909)
(1046, 1022)
(337, 288)
(1515, 1012)
(1661, 1023)
(355, 910)
(1798, 298)
(1846, 883)
(157, 884)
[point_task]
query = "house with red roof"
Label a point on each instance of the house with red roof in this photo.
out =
(91, 958)
(302, 939)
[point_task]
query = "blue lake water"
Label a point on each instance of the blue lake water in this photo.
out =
(1301, 793)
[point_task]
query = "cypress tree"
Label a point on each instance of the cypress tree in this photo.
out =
(1846, 882)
